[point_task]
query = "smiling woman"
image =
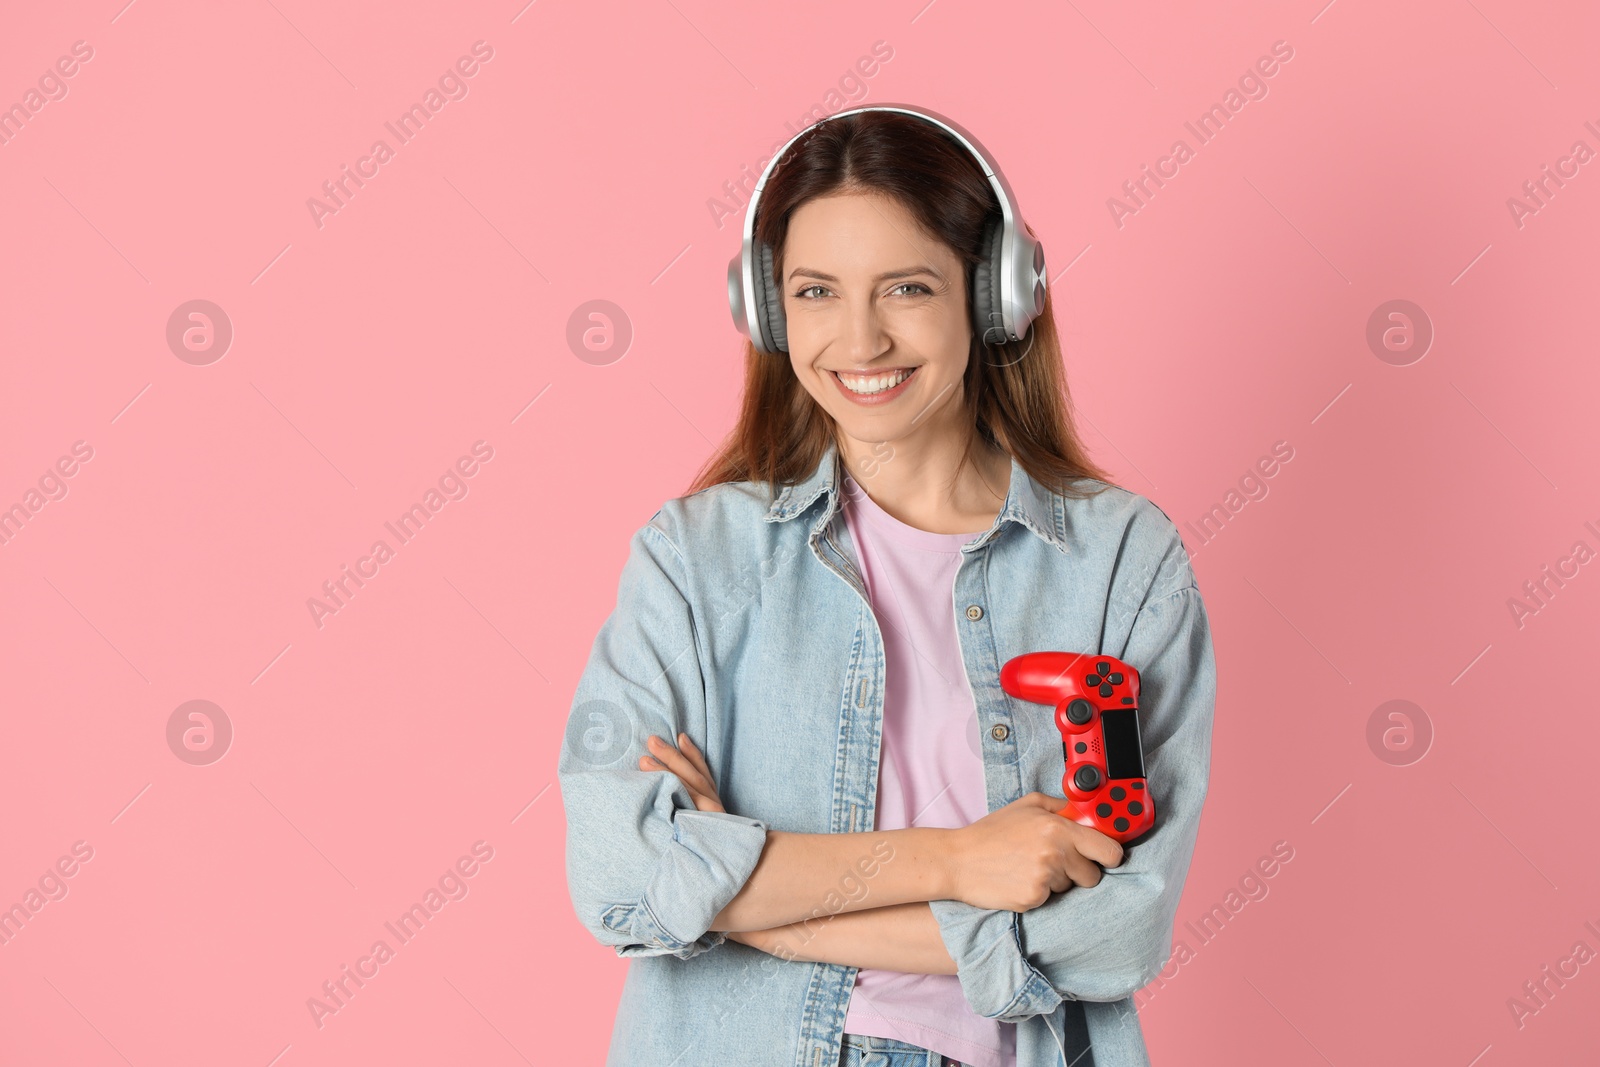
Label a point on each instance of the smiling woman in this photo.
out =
(893, 324)
(791, 836)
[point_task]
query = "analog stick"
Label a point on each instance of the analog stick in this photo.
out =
(1087, 779)
(1079, 712)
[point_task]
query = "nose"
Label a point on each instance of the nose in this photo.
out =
(864, 337)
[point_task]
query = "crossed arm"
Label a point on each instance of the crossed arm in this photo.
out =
(901, 936)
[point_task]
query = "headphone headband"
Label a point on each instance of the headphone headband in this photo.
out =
(1008, 287)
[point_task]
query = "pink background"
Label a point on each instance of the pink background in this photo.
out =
(432, 311)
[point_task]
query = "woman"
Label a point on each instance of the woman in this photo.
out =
(854, 855)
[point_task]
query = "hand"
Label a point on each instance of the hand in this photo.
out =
(1012, 859)
(690, 767)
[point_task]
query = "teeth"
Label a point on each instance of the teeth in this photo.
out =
(875, 384)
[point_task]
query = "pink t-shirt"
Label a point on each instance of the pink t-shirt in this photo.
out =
(930, 772)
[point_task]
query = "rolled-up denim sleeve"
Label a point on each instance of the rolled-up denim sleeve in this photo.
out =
(1105, 942)
(646, 871)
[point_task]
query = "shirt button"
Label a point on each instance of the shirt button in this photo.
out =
(974, 613)
(999, 732)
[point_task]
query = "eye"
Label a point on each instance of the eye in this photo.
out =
(918, 290)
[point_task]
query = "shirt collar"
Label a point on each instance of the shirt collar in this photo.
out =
(1027, 502)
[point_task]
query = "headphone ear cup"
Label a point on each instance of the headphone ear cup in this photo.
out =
(769, 303)
(987, 321)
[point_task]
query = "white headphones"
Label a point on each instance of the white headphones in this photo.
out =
(1008, 286)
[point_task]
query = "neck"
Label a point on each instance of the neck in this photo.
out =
(925, 484)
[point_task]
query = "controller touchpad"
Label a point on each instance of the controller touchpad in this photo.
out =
(1123, 752)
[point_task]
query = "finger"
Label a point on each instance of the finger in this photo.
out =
(679, 764)
(692, 750)
(1106, 851)
(704, 801)
(1084, 872)
(696, 757)
(701, 801)
(650, 763)
(668, 756)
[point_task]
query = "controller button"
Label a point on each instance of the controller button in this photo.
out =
(1080, 747)
(1118, 793)
(1087, 778)
(1135, 808)
(1102, 667)
(1116, 677)
(1079, 712)
(1120, 823)
(1106, 690)
(1138, 785)
(1127, 700)
(1091, 680)
(1103, 810)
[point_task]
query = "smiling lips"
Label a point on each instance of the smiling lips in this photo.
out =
(876, 388)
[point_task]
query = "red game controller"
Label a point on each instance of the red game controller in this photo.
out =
(1097, 709)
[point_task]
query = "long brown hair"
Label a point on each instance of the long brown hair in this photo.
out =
(1015, 393)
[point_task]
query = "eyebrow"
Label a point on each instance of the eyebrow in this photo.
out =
(907, 272)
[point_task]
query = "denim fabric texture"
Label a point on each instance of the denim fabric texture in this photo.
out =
(866, 1051)
(741, 620)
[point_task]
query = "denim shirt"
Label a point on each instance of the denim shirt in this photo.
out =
(742, 620)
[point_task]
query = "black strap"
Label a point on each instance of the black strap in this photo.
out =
(1076, 1036)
